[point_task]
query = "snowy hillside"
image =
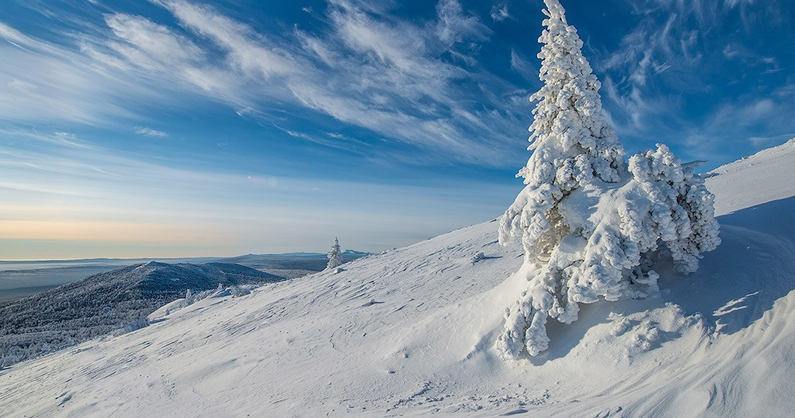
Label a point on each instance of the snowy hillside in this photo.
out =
(411, 332)
(766, 176)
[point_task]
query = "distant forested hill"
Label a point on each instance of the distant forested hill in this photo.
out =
(118, 300)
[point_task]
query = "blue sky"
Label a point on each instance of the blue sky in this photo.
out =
(188, 128)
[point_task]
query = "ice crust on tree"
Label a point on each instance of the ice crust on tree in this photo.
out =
(335, 255)
(589, 223)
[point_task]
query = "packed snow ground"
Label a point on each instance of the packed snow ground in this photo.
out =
(411, 332)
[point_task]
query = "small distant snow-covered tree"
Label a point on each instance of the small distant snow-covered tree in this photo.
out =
(335, 255)
(588, 224)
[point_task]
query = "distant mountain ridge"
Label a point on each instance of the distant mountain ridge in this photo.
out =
(25, 278)
(106, 302)
(291, 265)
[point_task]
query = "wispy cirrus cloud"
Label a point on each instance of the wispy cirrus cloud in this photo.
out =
(408, 82)
(39, 82)
(525, 67)
(246, 52)
(454, 25)
(680, 51)
(149, 45)
(392, 78)
(499, 12)
(154, 133)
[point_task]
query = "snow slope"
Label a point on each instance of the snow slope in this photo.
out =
(410, 332)
(768, 175)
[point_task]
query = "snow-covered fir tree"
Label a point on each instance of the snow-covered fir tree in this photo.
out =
(335, 255)
(572, 142)
(588, 224)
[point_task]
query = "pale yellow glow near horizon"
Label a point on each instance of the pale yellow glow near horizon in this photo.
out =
(79, 230)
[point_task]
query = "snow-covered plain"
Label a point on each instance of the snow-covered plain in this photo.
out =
(411, 332)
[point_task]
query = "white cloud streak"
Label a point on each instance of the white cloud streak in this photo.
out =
(244, 52)
(499, 12)
(36, 85)
(674, 45)
(151, 133)
(454, 26)
(523, 66)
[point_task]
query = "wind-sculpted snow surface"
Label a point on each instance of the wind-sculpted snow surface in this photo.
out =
(411, 333)
(590, 226)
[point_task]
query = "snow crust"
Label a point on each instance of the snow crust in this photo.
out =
(411, 332)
